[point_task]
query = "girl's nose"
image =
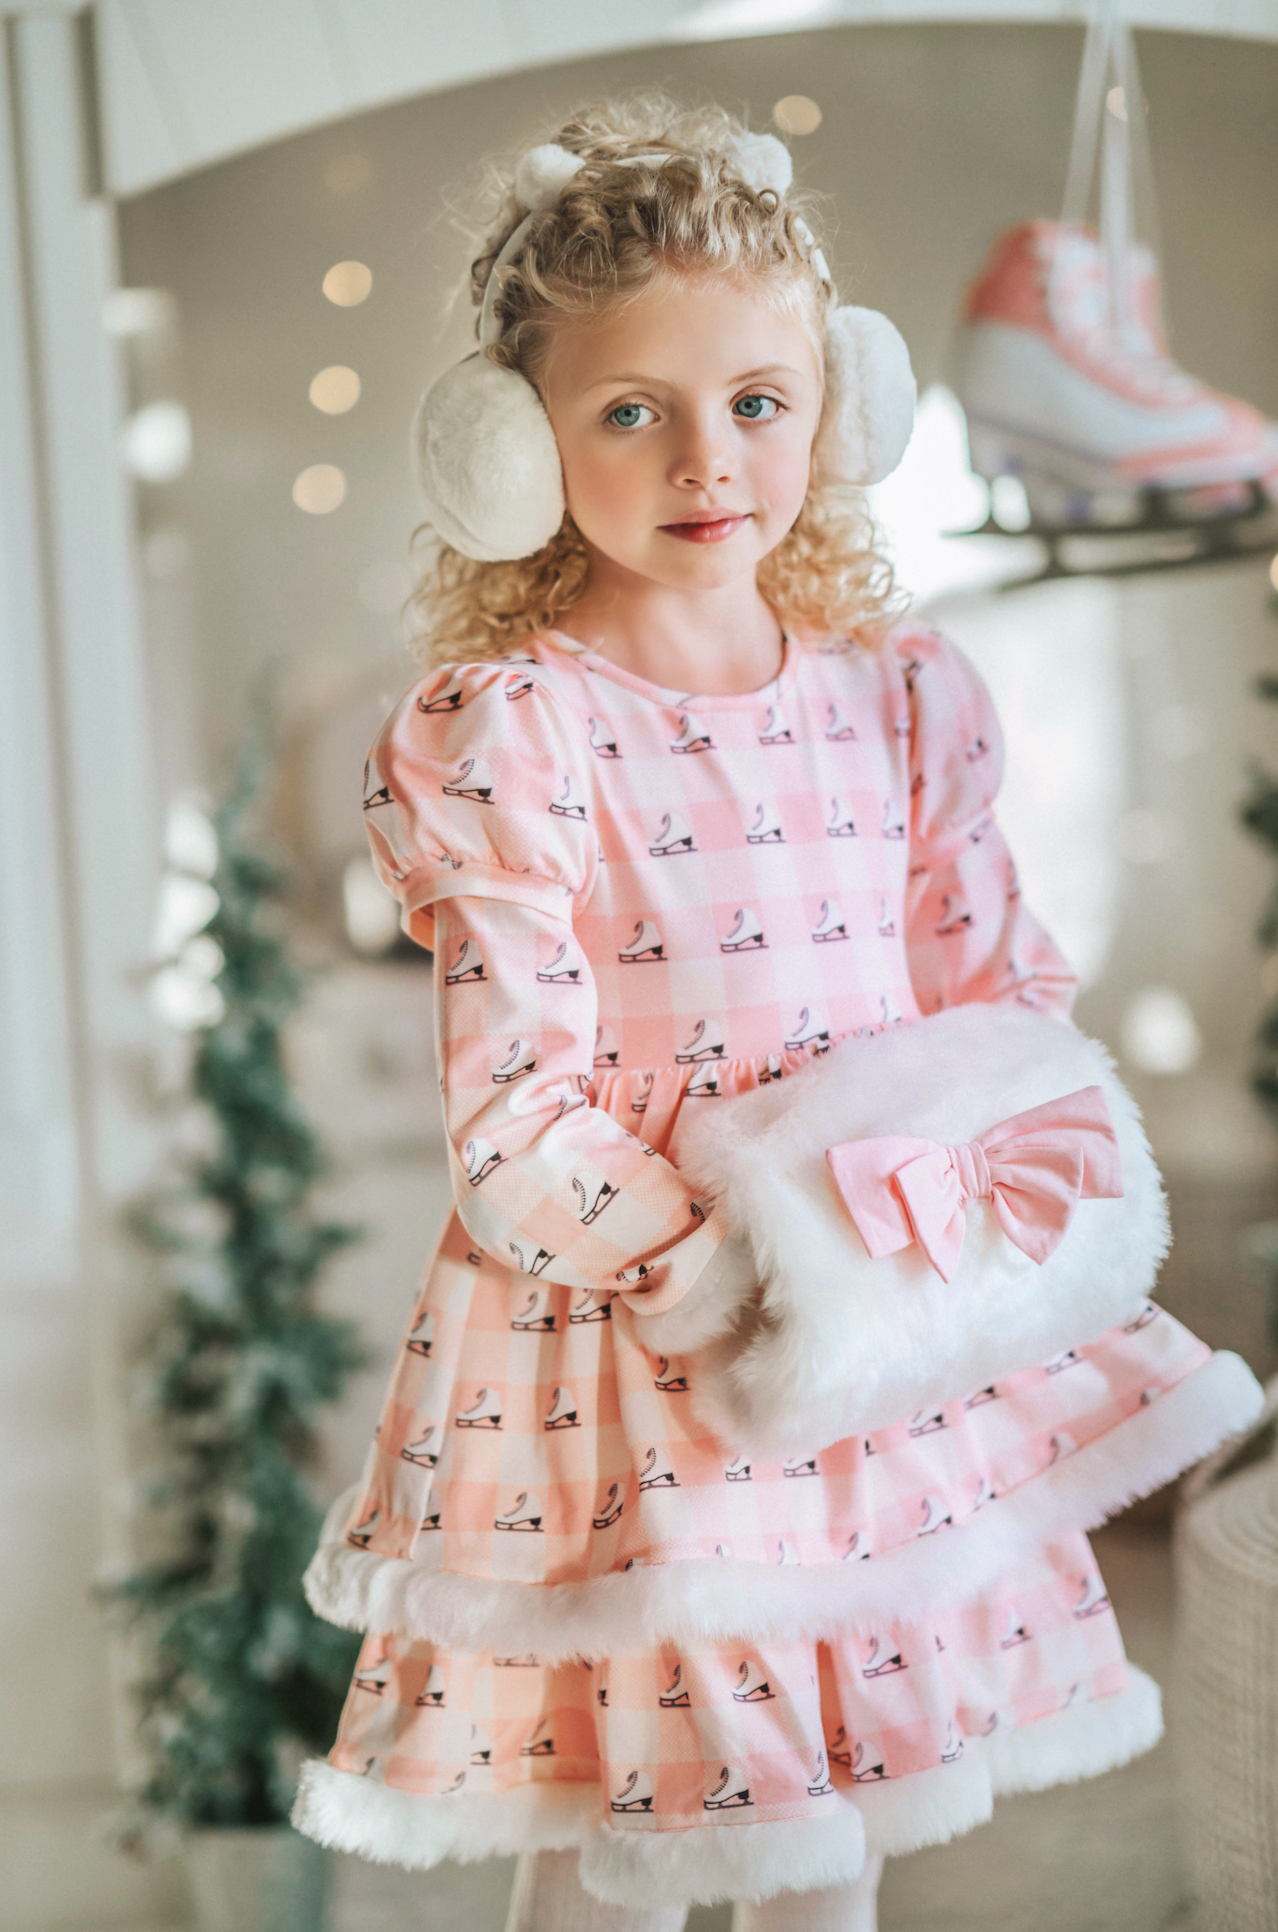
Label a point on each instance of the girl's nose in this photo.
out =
(704, 458)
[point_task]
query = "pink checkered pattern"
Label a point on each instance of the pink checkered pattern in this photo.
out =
(739, 1735)
(640, 902)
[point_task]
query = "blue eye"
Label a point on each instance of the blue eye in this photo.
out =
(626, 415)
(752, 408)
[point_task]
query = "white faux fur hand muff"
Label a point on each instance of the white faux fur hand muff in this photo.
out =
(846, 1342)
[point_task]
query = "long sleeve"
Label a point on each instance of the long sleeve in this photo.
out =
(969, 934)
(544, 1181)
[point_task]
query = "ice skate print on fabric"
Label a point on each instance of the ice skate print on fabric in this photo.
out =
(455, 1786)
(840, 823)
(375, 1676)
(800, 1466)
(752, 1686)
(467, 967)
(840, 1749)
(382, 814)
(984, 1494)
(811, 1030)
(566, 802)
(886, 927)
(430, 1521)
(421, 1336)
(470, 781)
(704, 1084)
(481, 1750)
(539, 1743)
(602, 742)
(425, 1451)
(590, 1309)
(673, 836)
(1094, 1599)
(765, 827)
(956, 915)
(820, 1786)
(483, 1413)
(518, 1060)
(607, 1048)
(1063, 1444)
(1014, 1631)
(479, 1157)
(1147, 1315)
(926, 1422)
(935, 1516)
(634, 1795)
(837, 728)
(884, 1660)
(724, 1550)
(738, 1471)
(830, 924)
(657, 1473)
(529, 1259)
(451, 698)
(667, 1383)
(770, 1070)
(563, 1411)
(731, 1793)
(610, 1510)
(675, 1696)
(693, 735)
(707, 1043)
(592, 1198)
(1067, 1359)
(523, 1516)
(1149, 1395)
(746, 935)
(363, 1533)
(982, 1396)
(893, 823)
(867, 1766)
(517, 684)
(858, 1548)
(952, 1749)
(775, 729)
(536, 1317)
(786, 1552)
(525, 1662)
(564, 969)
(976, 750)
(646, 945)
(432, 1697)
(889, 1010)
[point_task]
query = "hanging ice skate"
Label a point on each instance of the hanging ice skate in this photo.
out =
(1127, 463)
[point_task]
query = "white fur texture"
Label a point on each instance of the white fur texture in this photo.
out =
(847, 1343)
(543, 174)
(763, 163)
(709, 1600)
(487, 462)
(710, 1307)
(710, 1863)
(870, 412)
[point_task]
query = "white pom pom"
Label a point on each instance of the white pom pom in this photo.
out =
(487, 462)
(762, 162)
(543, 174)
(870, 411)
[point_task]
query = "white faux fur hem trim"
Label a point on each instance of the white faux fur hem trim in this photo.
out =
(393, 1827)
(710, 1863)
(709, 1600)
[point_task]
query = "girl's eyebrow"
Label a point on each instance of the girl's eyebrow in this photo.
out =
(768, 368)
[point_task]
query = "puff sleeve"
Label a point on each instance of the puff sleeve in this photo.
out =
(969, 935)
(481, 808)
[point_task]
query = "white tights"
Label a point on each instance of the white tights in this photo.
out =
(548, 1897)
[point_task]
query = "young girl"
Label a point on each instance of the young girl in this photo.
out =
(679, 808)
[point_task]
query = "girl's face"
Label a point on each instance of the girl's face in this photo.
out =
(685, 426)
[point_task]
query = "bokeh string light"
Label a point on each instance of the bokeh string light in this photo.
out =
(319, 489)
(347, 284)
(335, 390)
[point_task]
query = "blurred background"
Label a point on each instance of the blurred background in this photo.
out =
(229, 247)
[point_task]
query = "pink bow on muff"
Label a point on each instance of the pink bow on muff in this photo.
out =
(1033, 1169)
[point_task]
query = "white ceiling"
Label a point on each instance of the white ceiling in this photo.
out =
(187, 82)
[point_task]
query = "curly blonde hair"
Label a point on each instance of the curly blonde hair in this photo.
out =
(613, 231)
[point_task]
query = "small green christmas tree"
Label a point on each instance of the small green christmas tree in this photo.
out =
(1260, 815)
(240, 1673)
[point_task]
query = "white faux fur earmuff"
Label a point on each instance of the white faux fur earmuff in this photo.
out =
(485, 455)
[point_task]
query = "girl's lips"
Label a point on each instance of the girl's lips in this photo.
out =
(704, 532)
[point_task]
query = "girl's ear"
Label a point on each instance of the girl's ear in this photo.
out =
(870, 392)
(487, 463)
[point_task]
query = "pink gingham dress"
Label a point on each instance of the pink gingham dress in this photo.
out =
(640, 901)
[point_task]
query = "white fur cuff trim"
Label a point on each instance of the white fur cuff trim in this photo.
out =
(709, 1600)
(393, 1827)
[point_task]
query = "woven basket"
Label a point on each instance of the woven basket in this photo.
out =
(1227, 1680)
